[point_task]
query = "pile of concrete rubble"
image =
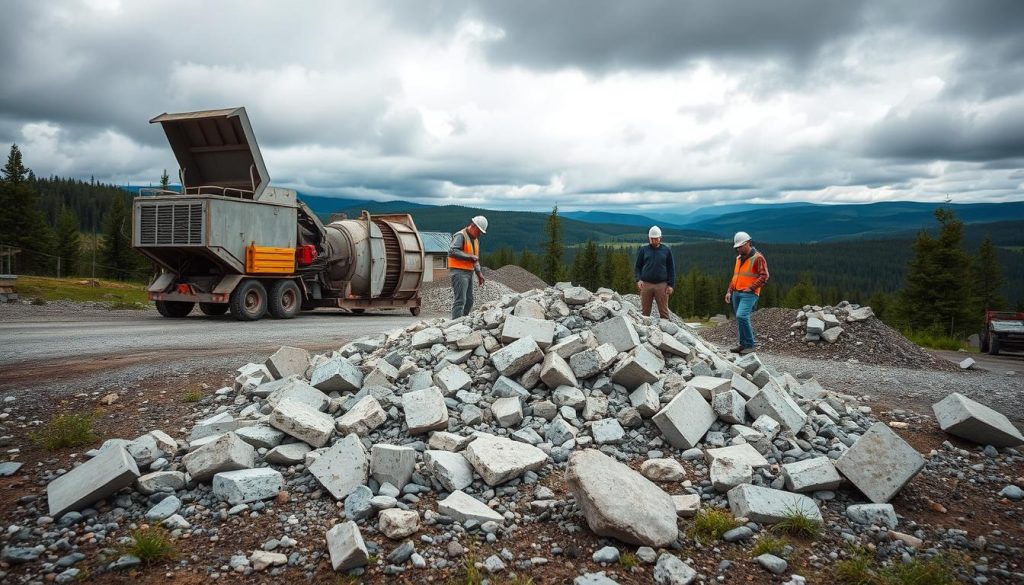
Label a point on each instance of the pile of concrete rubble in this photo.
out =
(479, 411)
(825, 323)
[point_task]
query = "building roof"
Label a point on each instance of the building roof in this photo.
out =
(436, 242)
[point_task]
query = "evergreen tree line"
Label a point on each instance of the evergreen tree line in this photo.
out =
(43, 219)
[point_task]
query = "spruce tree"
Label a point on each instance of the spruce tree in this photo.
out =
(936, 294)
(22, 224)
(590, 266)
(165, 181)
(552, 261)
(802, 293)
(116, 251)
(987, 279)
(69, 246)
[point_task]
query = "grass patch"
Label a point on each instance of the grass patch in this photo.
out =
(126, 305)
(860, 569)
(66, 430)
(856, 570)
(152, 545)
(933, 341)
(797, 523)
(82, 290)
(192, 396)
(711, 523)
(628, 560)
(770, 544)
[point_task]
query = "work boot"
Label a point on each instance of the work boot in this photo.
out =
(746, 350)
(736, 349)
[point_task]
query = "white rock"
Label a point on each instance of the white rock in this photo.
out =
(507, 411)
(617, 331)
(364, 416)
(452, 470)
(498, 459)
(663, 470)
(811, 475)
(451, 378)
(769, 506)
(515, 328)
(289, 454)
(160, 481)
(463, 507)
(342, 468)
(880, 463)
(345, 543)
(517, 356)
(728, 473)
(247, 485)
(303, 422)
(555, 371)
(645, 400)
(607, 432)
(687, 505)
(425, 410)
(959, 415)
(288, 361)
(227, 453)
(392, 464)
(397, 524)
(685, 419)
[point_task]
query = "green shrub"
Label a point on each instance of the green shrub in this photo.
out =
(66, 430)
(152, 545)
(38, 301)
(798, 523)
(860, 569)
(628, 560)
(934, 341)
(856, 570)
(192, 396)
(769, 544)
(711, 523)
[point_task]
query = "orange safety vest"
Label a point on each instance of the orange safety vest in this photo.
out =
(743, 276)
(469, 246)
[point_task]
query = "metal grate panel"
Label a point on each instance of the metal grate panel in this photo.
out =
(171, 224)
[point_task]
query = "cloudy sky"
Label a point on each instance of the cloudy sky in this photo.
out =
(593, 104)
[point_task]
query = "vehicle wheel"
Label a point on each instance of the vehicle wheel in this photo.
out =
(285, 299)
(993, 346)
(249, 301)
(415, 311)
(213, 309)
(174, 309)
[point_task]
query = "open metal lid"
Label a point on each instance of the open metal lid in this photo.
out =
(216, 148)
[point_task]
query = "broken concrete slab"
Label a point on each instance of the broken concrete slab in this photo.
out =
(464, 507)
(342, 468)
(708, 386)
(555, 371)
(498, 459)
(346, 546)
(425, 410)
(880, 463)
(445, 441)
(427, 337)
(685, 419)
(507, 411)
(647, 517)
(303, 422)
(811, 475)
(728, 473)
(776, 403)
(619, 332)
(451, 470)
(744, 453)
(645, 400)
(593, 361)
(687, 505)
(288, 361)
(337, 375)
(364, 416)
(247, 485)
(815, 326)
(540, 330)
(640, 367)
(160, 481)
(517, 356)
(290, 454)
(397, 524)
(261, 436)
(451, 378)
(573, 344)
(299, 391)
(227, 453)
(392, 464)
(730, 407)
(769, 506)
(103, 475)
(607, 432)
(959, 415)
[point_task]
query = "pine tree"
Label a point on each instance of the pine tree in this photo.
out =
(802, 293)
(622, 274)
(116, 250)
(15, 170)
(987, 279)
(22, 224)
(590, 266)
(69, 246)
(552, 261)
(165, 181)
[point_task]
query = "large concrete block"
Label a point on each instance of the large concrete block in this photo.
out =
(769, 506)
(745, 387)
(576, 295)
(227, 453)
(425, 410)
(728, 473)
(959, 415)
(669, 345)
(639, 368)
(607, 432)
(815, 326)
(645, 400)
(528, 308)
(464, 507)
(427, 337)
(498, 459)
(619, 332)
(247, 485)
(593, 361)
(685, 419)
(364, 416)
(345, 543)
(730, 407)
(749, 362)
(555, 371)
(289, 454)
(342, 468)
(288, 361)
(299, 391)
(451, 378)
(303, 422)
(744, 453)
(504, 387)
(103, 475)
(261, 436)
(776, 403)
(708, 386)
(392, 464)
(452, 470)
(880, 463)
(507, 411)
(517, 356)
(540, 330)
(573, 344)
(811, 475)
(337, 375)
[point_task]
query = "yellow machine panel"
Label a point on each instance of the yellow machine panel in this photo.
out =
(267, 260)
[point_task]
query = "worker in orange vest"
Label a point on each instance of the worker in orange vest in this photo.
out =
(748, 276)
(463, 261)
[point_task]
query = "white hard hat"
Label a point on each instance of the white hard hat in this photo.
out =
(739, 239)
(480, 222)
(654, 232)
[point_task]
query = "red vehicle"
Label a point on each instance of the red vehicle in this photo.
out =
(1004, 331)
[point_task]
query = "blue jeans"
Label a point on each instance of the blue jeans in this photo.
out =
(743, 304)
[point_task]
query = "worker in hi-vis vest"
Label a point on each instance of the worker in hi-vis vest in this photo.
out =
(463, 261)
(748, 276)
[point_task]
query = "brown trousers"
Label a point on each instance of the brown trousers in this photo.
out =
(654, 292)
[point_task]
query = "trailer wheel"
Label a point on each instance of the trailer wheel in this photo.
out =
(214, 309)
(249, 301)
(174, 309)
(285, 299)
(415, 311)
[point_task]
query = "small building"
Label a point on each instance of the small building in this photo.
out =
(435, 251)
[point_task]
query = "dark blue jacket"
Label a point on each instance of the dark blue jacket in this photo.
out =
(655, 265)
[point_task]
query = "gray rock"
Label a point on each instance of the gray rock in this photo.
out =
(425, 410)
(346, 546)
(160, 481)
(261, 436)
(560, 431)
(593, 361)
(1011, 492)
(452, 470)
(451, 378)
(392, 464)
(772, 563)
(463, 508)
(663, 470)
(507, 411)
(289, 454)
(226, 453)
(640, 367)
(342, 468)
(427, 337)
(247, 485)
(397, 524)
(166, 508)
(93, 480)
(728, 473)
(729, 406)
(619, 332)
(743, 453)
(555, 371)
(867, 514)
(607, 554)
(288, 361)
(445, 441)
(774, 402)
(498, 459)
(359, 503)
(738, 534)
(965, 418)
(9, 468)
(685, 419)
(364, 416)
(687, 505)
(607, 432)
(573, 344)
(880, 463)
(303, 422)
(645, 400)
(517, 356)
(708, 386)
(671, 570)
(769, 506)
(516, 328)
(811, 475)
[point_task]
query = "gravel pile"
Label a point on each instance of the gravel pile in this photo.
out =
(516, 278)
(437, 295)
(867, 341)
(407, 446)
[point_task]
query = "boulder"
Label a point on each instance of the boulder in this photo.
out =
(95, 479)
(346, 546)
(769, 506)
(425, 410)
(880, 463)
(498, 459)
(303, 422)
(811, 475)
(685, 419)
(619, 332)
(959, 415)
(226, 453)
(288, 361)
(247, 485)
(555, 371)
(342, 468)
(364, 416)
(397, 524)
(392, 464)
(517, 356)
(337, 375)
(463, 508)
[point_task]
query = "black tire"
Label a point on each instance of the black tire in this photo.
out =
(415, 311)
(249, 301)
(993, 346)
(174, 309)
(285, 299)
(214, 309)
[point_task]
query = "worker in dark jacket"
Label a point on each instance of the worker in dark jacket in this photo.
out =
(463, 262)
(655, 274)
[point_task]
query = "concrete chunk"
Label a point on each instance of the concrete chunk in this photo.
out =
(880, 463)
(708, 386)
(645, 400)
(425, 410)
(498, 459)
(288, 361)
(959, 415)
(451, 378)
(639, 368)
(868, 514)
(619, 332)
(555, 371)
(769, 506)
(517, 356)
(261, 436)
(345, 543)
(397, 524)
(303, 422)
(290, 454)
(392, 464)
(743, 452)
(593, 361)
(103, 475)
(774, 402)
(342, 468)
(811, 475)
(452, 470)
(730, 407)
(607, 432)
(299, 391)
(247, 485)
(363, 417)
(463, 508)
(227, 453)
(160, 481)
(507, 411)
(337, 375)
(576, 295)
(728, 473)
(687, 505)
(427, 337)
(445, 441)
(573, 344)
(685, 419)
(815, 326)
(540, 330)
